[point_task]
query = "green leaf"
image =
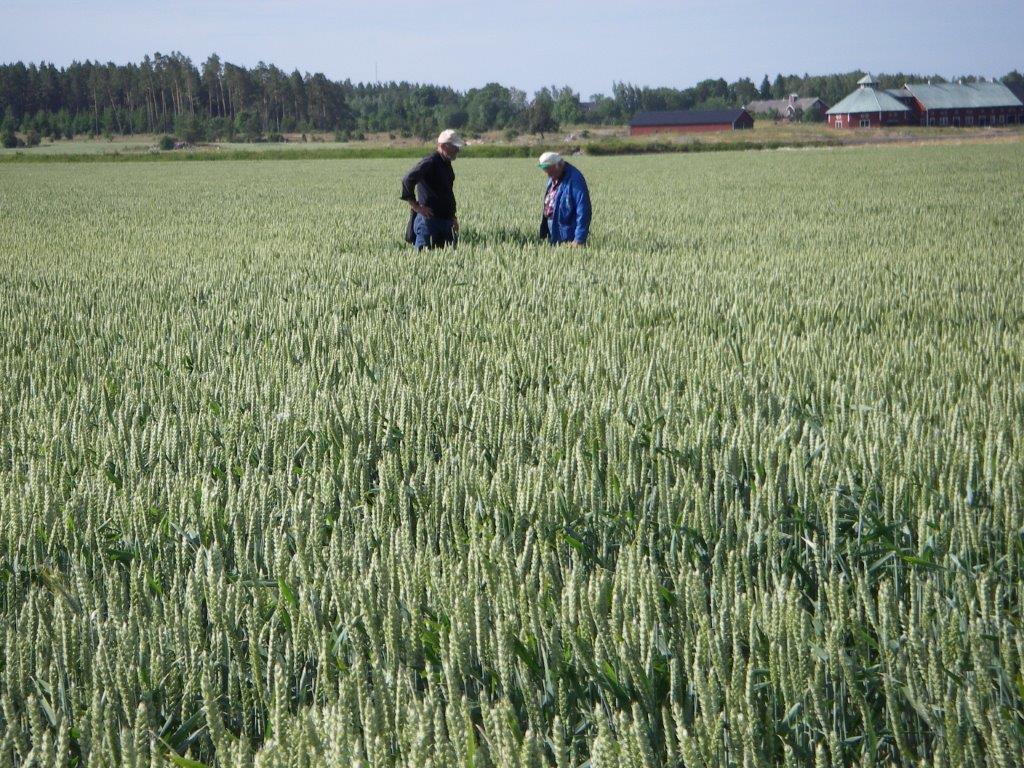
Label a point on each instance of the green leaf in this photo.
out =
(572, 541)
(288, 594)
(793, 713)
(185, 762)
(525, 655)
(921, 562)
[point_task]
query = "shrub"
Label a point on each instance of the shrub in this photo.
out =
(190, 129)
(166, 143)
(8, 139)
(32, 138)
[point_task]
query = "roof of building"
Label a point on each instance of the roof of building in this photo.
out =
(867, 80)
(1017, 89)
(866, 99)
(682, 117)
(963, 95)
(764, 106)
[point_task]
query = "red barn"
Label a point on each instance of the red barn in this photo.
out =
(939, 104)
(690, 122)
(962, 103)
(868, 107)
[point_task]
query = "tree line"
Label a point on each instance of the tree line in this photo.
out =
(218, 100)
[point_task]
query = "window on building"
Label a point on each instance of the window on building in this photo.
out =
(956, 121)
(983, 120)
(1011, 119)
(969, 120)
(865, 122)
(943, 120)
(1002, 119)
(839, 122)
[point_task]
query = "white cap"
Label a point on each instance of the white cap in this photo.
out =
(448, 136)
(548, 159)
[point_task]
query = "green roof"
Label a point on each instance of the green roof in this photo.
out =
(867, 100)
(963, 96)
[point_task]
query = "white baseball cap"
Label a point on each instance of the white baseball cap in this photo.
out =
(548, 159)
(448, 136)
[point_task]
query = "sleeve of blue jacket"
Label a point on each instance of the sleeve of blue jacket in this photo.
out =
(581, 197)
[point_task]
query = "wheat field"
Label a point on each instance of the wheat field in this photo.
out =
(741, 484)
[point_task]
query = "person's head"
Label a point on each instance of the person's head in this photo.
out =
(552, 164)
(449, 144)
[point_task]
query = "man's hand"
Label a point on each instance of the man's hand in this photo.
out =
(422, 210)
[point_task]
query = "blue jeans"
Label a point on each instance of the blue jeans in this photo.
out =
(433, 232)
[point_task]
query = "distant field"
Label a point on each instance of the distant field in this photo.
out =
(142, 144)
(764, 132)
(741, 484)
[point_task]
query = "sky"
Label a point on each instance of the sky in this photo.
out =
(586, 44)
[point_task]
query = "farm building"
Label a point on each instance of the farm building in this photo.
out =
(1017, 89)
(790, 109)
(939, 104)
(869, 107)
(690, 122)
(962, 103)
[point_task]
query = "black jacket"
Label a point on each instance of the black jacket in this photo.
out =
(431, 182)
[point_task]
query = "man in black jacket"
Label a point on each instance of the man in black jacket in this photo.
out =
(429, 188)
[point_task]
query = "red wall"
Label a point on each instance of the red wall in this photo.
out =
(935, 115)
(853, 121)
(1016, 114)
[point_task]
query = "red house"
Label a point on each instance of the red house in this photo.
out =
(690, 122)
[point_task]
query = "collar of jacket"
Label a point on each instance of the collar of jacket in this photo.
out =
(565, 175)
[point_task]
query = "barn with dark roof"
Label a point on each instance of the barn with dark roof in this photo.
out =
(690, 122)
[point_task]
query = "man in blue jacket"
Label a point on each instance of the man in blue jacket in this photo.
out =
(566, 217)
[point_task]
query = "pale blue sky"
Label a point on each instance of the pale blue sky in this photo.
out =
(585, 44)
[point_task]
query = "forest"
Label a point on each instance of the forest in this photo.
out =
(218, 100)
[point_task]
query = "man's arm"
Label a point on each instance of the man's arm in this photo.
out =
(409, 182)
(581, 196)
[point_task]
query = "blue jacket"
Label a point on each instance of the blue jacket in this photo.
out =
(571, 219)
